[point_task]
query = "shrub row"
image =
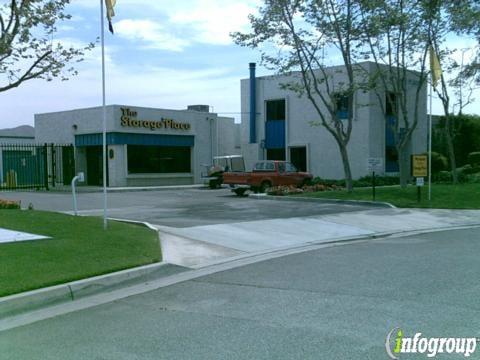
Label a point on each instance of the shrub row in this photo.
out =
(465, 174)
(440, 162)
(361, 182)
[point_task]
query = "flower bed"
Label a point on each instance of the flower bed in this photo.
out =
(9, 204)
(292, 190)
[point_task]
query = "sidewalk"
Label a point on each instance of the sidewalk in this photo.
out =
(200, 245)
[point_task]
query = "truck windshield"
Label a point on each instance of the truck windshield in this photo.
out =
(238, 164)
(291, 167)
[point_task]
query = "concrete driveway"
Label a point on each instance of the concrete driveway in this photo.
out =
(201, 226)
(179, 208)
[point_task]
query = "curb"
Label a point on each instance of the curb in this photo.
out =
(85, 302)
(31, 300)
(52, 295)
(320, 200)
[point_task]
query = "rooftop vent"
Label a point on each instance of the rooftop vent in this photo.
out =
(201, 108)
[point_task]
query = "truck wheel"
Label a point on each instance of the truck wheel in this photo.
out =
(240, 191)
(265, 185)
(212, 184)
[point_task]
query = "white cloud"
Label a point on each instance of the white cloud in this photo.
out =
(151, 33)
(169, 25)
(213, 20)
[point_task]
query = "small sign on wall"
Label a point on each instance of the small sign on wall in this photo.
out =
(375, 164)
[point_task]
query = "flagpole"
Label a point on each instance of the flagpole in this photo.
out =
(104, 131)
(430, 144)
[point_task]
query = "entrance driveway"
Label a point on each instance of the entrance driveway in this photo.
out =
(179, 208)
(200, 226)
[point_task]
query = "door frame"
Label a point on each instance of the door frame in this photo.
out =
(307, 153)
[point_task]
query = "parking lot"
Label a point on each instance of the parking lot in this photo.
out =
(179, 208)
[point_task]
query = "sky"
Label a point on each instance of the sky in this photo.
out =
(164, 54)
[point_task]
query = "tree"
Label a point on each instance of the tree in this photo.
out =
(464, 16)
(444, 21)
(465, 135)
(394, 39)
(298, 32)
(437, 37)
(27, 49)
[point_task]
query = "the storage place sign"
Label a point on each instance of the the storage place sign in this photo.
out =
(129, 119)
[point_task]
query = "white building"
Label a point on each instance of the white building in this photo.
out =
(146, 146)
(282, 126)
(24, 134)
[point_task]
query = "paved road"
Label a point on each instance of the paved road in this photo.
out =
(334, 303)
(179, 208)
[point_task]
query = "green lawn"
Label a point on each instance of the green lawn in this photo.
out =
(464, 196)
(78, 248)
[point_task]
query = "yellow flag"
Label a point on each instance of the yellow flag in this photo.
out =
(110, 4)
(435, 67)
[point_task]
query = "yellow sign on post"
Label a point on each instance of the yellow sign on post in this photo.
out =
(419, 165)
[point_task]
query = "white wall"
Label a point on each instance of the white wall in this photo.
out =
(59, 128)
(227, 136)
(16, 140)
(367, 137)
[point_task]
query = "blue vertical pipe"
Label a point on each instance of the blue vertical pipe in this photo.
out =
(253, 104)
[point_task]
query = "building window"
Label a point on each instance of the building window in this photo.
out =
(275, 129)
(391, 153)
(390, 104)
(276, 154)
(144, 159)
(275, 110)
(391, 159)
(342, 102)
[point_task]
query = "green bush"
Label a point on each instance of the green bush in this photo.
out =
(473, 178)
(379, 181)
(439, 162)
(364, 181)
(466, 137)
(465, 170)
(442, 177)
(328, 182)
(474, 158)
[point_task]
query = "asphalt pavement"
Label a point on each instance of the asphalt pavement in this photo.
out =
(199, 226)
(338, 302)
(179, 208)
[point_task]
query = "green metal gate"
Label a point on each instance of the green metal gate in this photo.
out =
(27, 166)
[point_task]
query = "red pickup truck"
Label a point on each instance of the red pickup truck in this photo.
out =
(264, 175)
